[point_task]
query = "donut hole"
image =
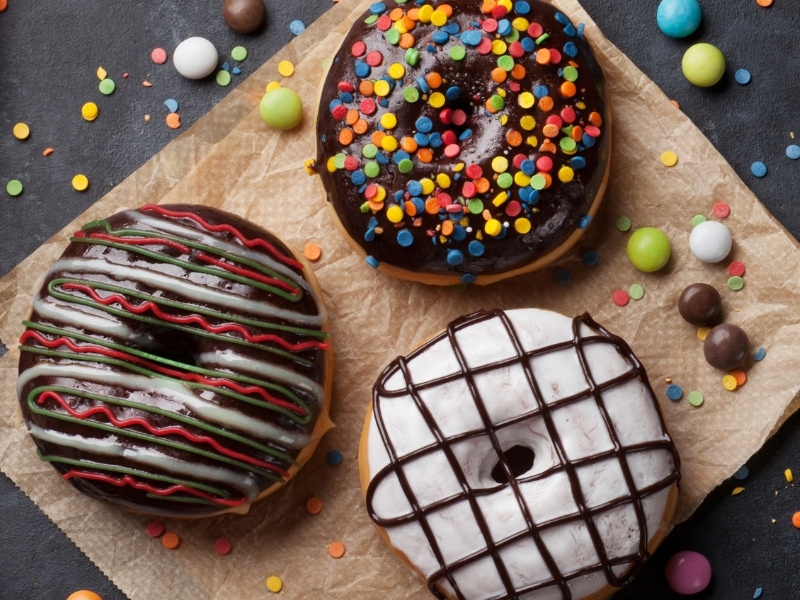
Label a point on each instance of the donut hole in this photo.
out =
(172, 348)
(518, 459)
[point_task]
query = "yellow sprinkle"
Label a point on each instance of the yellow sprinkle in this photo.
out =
(788, 474)
(146, 118)
(274, 584)
(101, 73)
(521, 179)
(389, 121)
(527, 122)
(394, 213)
(286, 68)
(729, 383)
(669, 158)
(499, 47)
(381, 88)
(565, 174)
(526, 100)
(427, 185)
(436, 100)
(522, 225)
(499, 164)
(396, 71)
(443, 180)
(89, 111)
(80, 182)
(493, 227)
(309, 166)
(438, 18)
(520, 24)
(425, 13)
(273, 85)
(389, 143)
(702, 332)
(500, 199)
(21, 131)
(737, 490)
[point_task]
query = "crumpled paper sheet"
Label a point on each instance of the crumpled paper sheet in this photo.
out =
(230, 159)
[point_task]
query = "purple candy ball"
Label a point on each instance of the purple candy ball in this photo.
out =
(688, 572)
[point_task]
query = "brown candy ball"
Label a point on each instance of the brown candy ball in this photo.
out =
(726, 347)
(243, 16)
(701, 305)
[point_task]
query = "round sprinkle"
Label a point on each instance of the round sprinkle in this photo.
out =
(736, 269)
(313, 505)
(173, 120)
(562, 276)
(729, 382)
(759, 355)
(697, 219)
(740, 376)
(669, 158)
(223, 78)
(286, 68)
(793, 151)
(171, 104)
(334, 457)
(735, 283)
(336, 549)
(80, 182)
(3, 5)
(591, 258)
(274, 584)
(620, 297)
(623, 223)
(107, 86)
(239, 53)
(89, 111)
(222, 546)
(742, 76)
(674, 392)
(695, 398)
(155, 529)
(158, 56)
(84, 595)
(764, 3)
(170, 540)
(796, 519)
(742, 473)
(721, 209)
(312, 252)
(14, 187)
(758, 168)
(21, 131)
(297, 27)
(636, 291)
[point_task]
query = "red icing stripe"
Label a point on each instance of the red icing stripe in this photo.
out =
(250, 243)
(159, 431)
(138, 241)
(186, 376)
(248, 273)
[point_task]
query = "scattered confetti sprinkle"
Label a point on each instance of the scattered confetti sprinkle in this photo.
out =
(669, 158)
(793, 151)
(239, 53)
(222, 546)
(757, 593)
(80, 182)
(146, 83)
(758, 168)
(172, 105)
(742, 473)
(158, 56)
(674, 392)
(170, 540)
(272, 85)
(173, 120)
(223, 78)
(591, 258)
(620, 297)
(735, 283)
(736, 269)
(21, 131)
(695, 398)
(702, 332)
(101, 73)
(48, 151)
(737, 490)
(623, 223)
(286, 68)
(789, 476)
(721, 209)
(759, 355)
(3, 5)
(740, 376)
(274, 584)
(729, 382)
(562, 276)
(312, 252)
(796, 519)
(14, 187)
(89, 111)
(155, 529)
(107, 86)
(764, 3)
(313, 505)
(336, 549)
(334, 457)
(636, 291)
(742, 76)
(297, 27)
(697, 219)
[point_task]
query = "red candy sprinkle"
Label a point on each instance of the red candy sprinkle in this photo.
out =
(474, 171)
(346, 86)
(513, 208)
(468, 190)
(383, 23)
(222, 546)
(358, 49)
(459, 117)
(489, 25)
(544, 163)
(368, 106)
(374, 58)
(449, 137)
(555, 56)
(485, 46)
(516, 50)
(535, 30)
(568, 114)
(721, 210)
(155, 528)
(452, 150)
(620, 297)
(339, 112)
(736, 269)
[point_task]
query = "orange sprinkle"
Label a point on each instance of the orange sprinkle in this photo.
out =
(518, 72)
(396, 14)
(447, 227)
(46, 151)
(550, 130)
(740, 376)
(375, 206)
(499, 75)
(796, 519)
(336, 549)
(361, 127)
(413, 13)
(546, 103)
(377, 136)
(446, 9)
(366, 88)
(543, 56)
(173, 120)
(408, 23)
(407, 41)
(676, 104)
(488, 6)
(312, 252)
(170, 540)
(482, 185)
(764, 3)
(314, 505)
(146, 83)
(432, 206)
(568, 89)
(434, 80)
(409, 144)
(548, 179)
(595, 118)
(514, 138)
(346, 136)
(3, 5)
(410, 208)
(577, 133)
(547, 146)
(489, 106)
(425, 155)
(351, 116)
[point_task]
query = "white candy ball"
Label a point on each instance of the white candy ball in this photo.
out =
(195, 58)
(710, 241)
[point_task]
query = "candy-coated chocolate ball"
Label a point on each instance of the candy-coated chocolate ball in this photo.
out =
(710, 241)
(648, 249)
(243, 16)
(281, 108)
(701, 305)
(83, 595)
(703, 64)
(726, 347)
(688, 572)
(678, 18)
(195, 58)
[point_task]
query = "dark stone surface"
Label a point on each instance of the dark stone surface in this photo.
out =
(50, 51)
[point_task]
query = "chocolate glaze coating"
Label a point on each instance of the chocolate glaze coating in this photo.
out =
(552, 215)
(243, 16)
(700, 304)
(726, 347)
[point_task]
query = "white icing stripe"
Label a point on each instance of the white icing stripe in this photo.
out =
(183, 287)
(174, 390)
(228, 359)
(47, 307)
(157, 460)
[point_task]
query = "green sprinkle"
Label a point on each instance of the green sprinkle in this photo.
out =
(695, 398)
(568, 145)
(636, 291)
(338, 160)
(512, 37)
(538, 182)
(14, 187)
(412, 57)
(372, 169)
(570, 73)
(735, 283)
(623, 223)
(410, 94)
(542, 38)
(505, 180)
(497, 102)
(223, 78)
(405, 166)
(475, 206)
(371, 19)
(239, 53)
(107, 86)
(369, 151)
(697, 219)
(393, 36)
(458, 53)
(505, 62)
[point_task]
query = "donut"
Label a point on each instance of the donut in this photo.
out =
(519, 454)
(463, 142)
(176, 362)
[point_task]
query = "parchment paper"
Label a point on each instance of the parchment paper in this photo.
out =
(230, 159)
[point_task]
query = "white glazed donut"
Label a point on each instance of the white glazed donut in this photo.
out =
(519, 454)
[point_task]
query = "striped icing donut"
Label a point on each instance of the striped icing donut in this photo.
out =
(519, 454)
(176, 362)
(463, 141)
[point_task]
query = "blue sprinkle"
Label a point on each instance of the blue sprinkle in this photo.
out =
(345, 97)
(584, 221)
(742, 474)
(468, 278)
(674, 392)
(503, 27)
(418, 203)
(562, 276)
(758, 168)
(459, 233)
(577, 162)
(362, 69)
(534, 199)
(297, 27)
(525, 194)
(171, 104)
(793, 151)
(398, 196)
(424, 125)
(334, 103)
(414, 188)
(757, 593)
(453, 93)
(236, 70)
(440, 36)
(759, 355)
(570, 49)
(405, 238)
(381, 159)
(400, 155)
(358, 177)
(528, 167)
(562, 18)
(423, 85)
(581, 27)
(454, 257)
(226, 67)
(471, 37)
(528, 44)
(540, 91)
(522, 7)
(372, 261)
(369, 235)
(591, 258)
(452, 27)
(435, 139)
(465, 135)
(334, 457)
(421, 139)
(431, 49)
(570, 30)
(588, 141)
(475, 248)
(742, 76)
(377, 8)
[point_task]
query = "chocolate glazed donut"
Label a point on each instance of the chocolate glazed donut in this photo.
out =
(176, 362)
(463, 141)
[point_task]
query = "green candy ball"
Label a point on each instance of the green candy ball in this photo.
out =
(281, 108)
(703, 64)
(648, 249)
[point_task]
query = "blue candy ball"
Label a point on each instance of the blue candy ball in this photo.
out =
(678, 18)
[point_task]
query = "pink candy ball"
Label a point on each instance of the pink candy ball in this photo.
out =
(688, 572)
